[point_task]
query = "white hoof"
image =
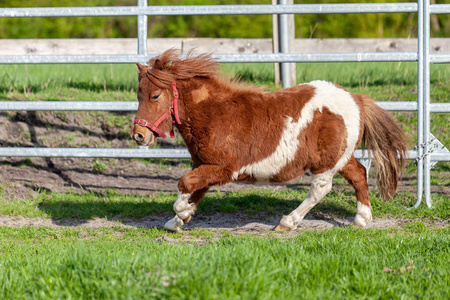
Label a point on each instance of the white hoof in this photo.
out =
(288, 222)
(363, 215)
(174, 224)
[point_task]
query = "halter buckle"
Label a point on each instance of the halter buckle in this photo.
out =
(141, 122)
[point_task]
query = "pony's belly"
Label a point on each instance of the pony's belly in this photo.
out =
(288, 174)
(285, 175)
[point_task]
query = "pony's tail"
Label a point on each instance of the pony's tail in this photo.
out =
(386, 140)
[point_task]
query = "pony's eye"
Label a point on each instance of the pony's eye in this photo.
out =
(155, 97)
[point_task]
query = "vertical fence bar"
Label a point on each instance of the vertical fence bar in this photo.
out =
(420, 94)
(283, 35)
(275, 44)
(291, 22)
(426, 102)
(142, 29)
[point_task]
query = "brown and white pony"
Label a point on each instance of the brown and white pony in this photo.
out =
(240, 133)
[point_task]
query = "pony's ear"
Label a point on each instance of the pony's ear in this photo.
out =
(140, 67)
(158, 65)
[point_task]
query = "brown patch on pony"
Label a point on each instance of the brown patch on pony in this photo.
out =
(386, 140)
(200, 94)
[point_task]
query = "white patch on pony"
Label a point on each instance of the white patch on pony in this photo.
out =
(182, 206)
(363, 214)
(271, 165)
(340, 102)
(326, 94)
(174, 224)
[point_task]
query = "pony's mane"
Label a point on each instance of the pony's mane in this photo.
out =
(169, 66)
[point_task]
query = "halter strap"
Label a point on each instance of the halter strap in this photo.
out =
(173, 110)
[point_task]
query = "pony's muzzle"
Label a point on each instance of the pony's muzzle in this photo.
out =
(142, 135)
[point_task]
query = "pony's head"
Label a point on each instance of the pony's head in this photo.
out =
(158, 94)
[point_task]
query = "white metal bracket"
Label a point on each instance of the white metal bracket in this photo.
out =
(436, 146)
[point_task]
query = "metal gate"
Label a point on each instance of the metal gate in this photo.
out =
(428, 150)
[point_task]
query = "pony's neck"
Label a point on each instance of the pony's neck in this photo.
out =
(198, 96)
(199, 91)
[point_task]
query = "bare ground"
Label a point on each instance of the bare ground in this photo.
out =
(24, 178)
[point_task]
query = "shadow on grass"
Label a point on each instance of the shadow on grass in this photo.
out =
(8, 84)
(225, 211)
(38, 125)
(34, 121)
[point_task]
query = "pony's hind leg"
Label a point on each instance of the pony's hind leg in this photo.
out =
(355, 173)
(320, 186)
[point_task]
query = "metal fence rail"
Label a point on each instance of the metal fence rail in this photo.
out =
(225, 58)
(132, 106)
(424, 154)
(142, 152)
(174, 10)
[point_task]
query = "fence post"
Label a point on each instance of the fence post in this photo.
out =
(275, 44)
(142, 30)
(283, 36)
(420, 100)
(426, 101)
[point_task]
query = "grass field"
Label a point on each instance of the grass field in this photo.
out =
(406, 262)
(42, 263)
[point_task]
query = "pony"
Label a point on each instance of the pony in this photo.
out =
(236, 132)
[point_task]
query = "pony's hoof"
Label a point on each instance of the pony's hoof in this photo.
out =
(174, 225)
(361, 221)
(282, 228)
(187, 220)
(363, 215)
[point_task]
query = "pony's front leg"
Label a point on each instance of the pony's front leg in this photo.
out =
(191, 189)
(185, 207)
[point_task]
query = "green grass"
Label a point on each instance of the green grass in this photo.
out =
(68, 82)
(132, 263)
(42, 263)
(389, 81)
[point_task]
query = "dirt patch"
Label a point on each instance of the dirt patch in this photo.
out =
(219, 223)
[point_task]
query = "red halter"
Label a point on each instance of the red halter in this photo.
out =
(173, 110)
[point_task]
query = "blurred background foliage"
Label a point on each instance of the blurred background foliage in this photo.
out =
(245, 26)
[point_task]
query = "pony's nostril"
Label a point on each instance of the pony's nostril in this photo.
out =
(138, 137)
